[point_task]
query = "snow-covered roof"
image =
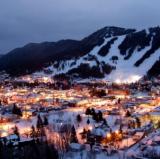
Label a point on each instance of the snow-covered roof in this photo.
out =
(99, 132)
(12, 137)
(75, 146)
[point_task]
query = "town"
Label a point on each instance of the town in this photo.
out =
(79, 119)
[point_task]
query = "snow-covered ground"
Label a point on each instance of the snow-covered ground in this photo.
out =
(125, 72)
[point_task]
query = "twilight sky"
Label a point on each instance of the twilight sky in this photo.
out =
(24, 21)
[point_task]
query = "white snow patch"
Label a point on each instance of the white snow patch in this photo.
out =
(126, 72)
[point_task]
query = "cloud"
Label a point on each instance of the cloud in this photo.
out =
(23, 21)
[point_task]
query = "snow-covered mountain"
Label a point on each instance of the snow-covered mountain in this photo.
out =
(111, 53)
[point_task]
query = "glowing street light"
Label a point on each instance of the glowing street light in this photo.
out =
(117, 132)
(109, 135)
(4, 134)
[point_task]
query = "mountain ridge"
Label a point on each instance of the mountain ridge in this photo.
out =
(123, 44)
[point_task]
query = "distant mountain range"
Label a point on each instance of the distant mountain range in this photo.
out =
(110, 53)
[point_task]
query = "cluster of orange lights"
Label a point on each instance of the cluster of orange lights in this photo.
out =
(111, 137)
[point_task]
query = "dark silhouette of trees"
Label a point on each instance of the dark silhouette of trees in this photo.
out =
(100, 116)
(39, 122)
(33, 132)
(97, 116)
(138, 122)
(158, 124)
(40, 126)
(45, 122)
(105, 122)
(16, 110)
(79, 118)
(73, 135)
(114, 59)
(105, 49)
(88, 121)
(98, 93)
(51, 152)
(128, 114)
(16, 132)
(93, 111)
(88, 111)
(28, 150)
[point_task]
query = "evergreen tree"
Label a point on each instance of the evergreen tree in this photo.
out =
(40, 126)
(114, 58)
(33, 132)
(133, 125)
(100, 116)
(16, 132)
(128, 114)
(39, 122)
(105, 122)
(119, 100)
(16, 110)
(158, 124)
(120, 128)
(45, 121)
(88, 121)
(93, 111)
(138, 122)
(79, 118)
(97, 116)
(73, 135)
(88, 111)
(94, 116)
